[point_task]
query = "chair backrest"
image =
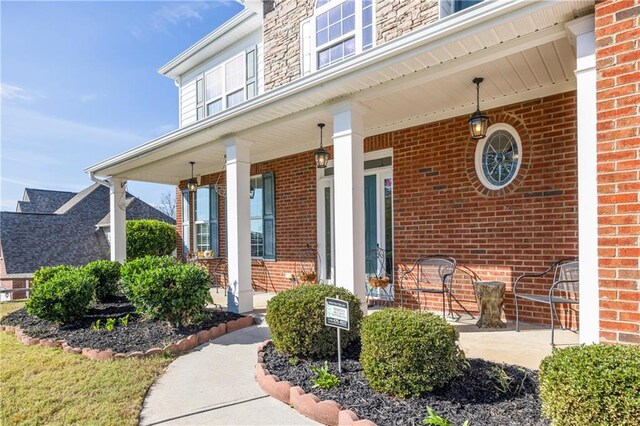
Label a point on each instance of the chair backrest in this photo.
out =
(434, 271)
(375, 263)
(566, 276)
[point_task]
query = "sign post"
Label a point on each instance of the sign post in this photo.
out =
(336, 314)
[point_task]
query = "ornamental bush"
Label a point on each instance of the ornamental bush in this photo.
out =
(107, 274)
(296, 321)
(162, 288)
(406, 353)
(61, 294)
(591, 385)
(147, 237)
(46, 272)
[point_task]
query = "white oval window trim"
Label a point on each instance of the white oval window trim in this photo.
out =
(480, 147)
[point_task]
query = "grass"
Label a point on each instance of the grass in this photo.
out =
(47, 386)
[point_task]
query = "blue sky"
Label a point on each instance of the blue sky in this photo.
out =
(79, 83)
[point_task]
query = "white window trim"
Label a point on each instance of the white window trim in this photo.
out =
(199, 222)
(261, 217)
(225, 91)
(480, 148)
(357, 32)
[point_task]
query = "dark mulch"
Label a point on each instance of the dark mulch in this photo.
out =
(473, 396)
(139, 335)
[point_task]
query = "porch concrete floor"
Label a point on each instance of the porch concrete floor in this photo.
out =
(526, 348)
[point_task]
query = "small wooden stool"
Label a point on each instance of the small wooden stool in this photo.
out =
(490, 296)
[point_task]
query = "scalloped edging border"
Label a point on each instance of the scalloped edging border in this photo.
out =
(181, 347)
(327, 412)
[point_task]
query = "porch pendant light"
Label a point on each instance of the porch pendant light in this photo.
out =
(252, 192)
(322, 156)
(193, 182)
(478, 122)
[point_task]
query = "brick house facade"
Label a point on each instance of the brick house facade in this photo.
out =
(411, 96)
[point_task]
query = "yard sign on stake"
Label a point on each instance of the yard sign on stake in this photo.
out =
(336, 314)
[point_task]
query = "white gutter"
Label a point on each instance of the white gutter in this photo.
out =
(100, 181)
(490, 14)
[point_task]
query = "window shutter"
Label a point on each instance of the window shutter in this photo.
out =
(269, 215)
(252, 72)
(306, 47)
(446, 8)
(185, 223)
(213, 222)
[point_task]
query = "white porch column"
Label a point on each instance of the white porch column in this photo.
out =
(348, 161)
(582, 30)
(240, 294)
(118, 218)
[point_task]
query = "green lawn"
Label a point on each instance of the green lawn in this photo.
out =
(46, 386)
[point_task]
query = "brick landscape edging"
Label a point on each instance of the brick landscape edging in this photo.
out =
(309, 405)
(181, 347)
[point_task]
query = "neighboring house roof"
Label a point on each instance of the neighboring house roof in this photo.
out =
(42, 200)
(70, 235)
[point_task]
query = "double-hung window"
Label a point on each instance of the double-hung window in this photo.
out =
(338, 29)
(262, 211)
(206, 220)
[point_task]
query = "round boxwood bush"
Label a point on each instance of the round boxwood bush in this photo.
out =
(61, 295)
(296, 321)
(46, 272)
(405, 353)
(147, 237)
(592, 385)
(107, 274)
(162, 288)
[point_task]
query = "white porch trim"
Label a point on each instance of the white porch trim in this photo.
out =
(583, 31)
(240, 292)
(118, 218)
(348, 152)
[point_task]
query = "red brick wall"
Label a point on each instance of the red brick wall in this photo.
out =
(618, 94)
(440, 206)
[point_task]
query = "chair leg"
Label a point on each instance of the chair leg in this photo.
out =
(517, 317)
(552, 325)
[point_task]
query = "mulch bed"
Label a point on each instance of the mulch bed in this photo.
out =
(139, 335)
(473, 396)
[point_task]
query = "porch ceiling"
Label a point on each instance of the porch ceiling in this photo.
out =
(522, 53)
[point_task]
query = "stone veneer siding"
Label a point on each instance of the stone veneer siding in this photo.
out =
(282, 20)
(440, 206)
(617, 30)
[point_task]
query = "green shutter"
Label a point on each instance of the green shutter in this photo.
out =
(269, 215)
(252, 71)
(213, 221)
(370, 223)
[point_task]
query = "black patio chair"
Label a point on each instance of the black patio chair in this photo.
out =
(429, 275)
(307, 266)
(378, 279)
(564, 289)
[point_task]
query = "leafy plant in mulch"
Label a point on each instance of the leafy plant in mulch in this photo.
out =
(324, 379)
(61, 294)
(163, 288)
(434, 419)
(595, 384)
(296, 320)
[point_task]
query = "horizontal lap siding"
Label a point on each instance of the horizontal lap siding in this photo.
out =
(618, 97)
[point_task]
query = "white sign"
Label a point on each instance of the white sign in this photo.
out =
(336, 313)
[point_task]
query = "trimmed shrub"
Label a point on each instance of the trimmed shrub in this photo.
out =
(406, 353)
(296, 321)
(46, 272)
(61, 295)
(147, 237)
(162, 288)
(107, 274)
(592, 385)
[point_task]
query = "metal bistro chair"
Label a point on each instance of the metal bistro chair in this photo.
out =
(565, 283)
(305, 267)
(378, 278)
(430, 274)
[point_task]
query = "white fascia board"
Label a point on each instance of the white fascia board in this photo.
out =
(171, 68)
(473, 21)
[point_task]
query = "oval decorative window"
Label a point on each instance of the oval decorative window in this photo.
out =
(498, 156)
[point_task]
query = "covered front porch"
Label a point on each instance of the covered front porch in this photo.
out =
(403, 174)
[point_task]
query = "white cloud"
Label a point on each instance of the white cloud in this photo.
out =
(177, 12)
(14, 93)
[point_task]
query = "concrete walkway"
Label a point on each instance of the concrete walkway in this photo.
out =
(214, 385)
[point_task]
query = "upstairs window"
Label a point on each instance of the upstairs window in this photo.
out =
(227, 85)
(338, 29)
(448, 7)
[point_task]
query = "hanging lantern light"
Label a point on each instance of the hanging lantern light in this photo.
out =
(252, 192)
(193, 182)
(478, 122)
(322, 156)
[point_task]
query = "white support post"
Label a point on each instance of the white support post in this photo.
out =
(118, 218)
(240, 294)
(348, 153)
(582, 31)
